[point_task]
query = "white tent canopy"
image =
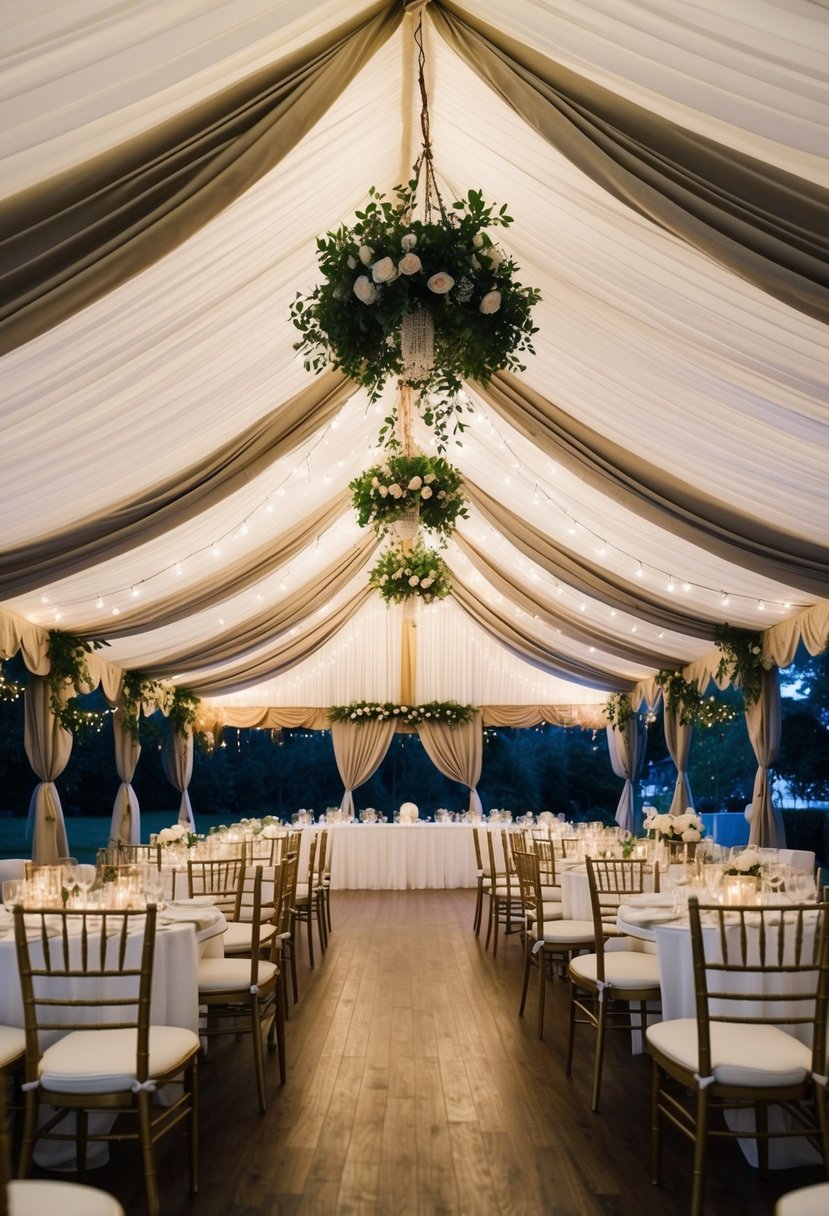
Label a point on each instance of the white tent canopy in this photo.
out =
(173, 480)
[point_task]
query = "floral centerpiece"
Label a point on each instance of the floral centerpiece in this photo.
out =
(687, 828)
(401, 575)
(447, 712)
(177, 836)
(746, 863)
(390, 275)
(427, 486)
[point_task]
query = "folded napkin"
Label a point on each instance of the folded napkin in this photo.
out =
(648, 916)
(651, 899)
(190, 913)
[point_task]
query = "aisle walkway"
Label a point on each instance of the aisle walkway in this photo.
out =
(415, 1090)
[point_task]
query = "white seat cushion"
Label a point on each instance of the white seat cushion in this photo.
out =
(103, 1061)
(226, 974)
(740, 1054)
(35, 1197)
(238, 936)
(550, 894)
(622, 969)
(560, 932)
(807, 1201)
(12, 1044)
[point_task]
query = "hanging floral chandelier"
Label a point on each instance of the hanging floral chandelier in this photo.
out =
(416, 291)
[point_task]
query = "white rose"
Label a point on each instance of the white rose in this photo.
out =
(408, 242)
(365, 254)
(495, 256)
(395, 490)
(410, 263)
(433, 575)
(426, 582)
(374, 483)
(414, 580)
(415, 483)
(440, 283)
(477, 240)
(383, 491)
(474, 263)
(490, 303)
(425, 492)
(364, 289)
(165, 836)
(384, 271)
(352, 262)
(690, 835)
(429, 478)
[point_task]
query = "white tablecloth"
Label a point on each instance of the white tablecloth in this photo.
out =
(397, 856)
(175, 973)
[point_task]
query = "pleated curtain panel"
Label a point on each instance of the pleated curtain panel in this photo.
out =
(48, 747)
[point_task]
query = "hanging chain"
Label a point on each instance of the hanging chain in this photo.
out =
(425, 163)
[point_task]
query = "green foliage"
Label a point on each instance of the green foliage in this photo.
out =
(741, 660)
(385, 493)
(803, 758)
(68, 665)
(388, 264)
(618, 710)
(400, 575)
(683, 698)
(448, 712)
(138, 688)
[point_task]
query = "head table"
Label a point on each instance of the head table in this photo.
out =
(397, 856)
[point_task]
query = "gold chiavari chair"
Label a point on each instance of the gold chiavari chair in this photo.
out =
(606, 985)
(88, 975)
(761, 979)
(305, 902)
(504, 891)
(547, 936)
(484, 879)
(239, 995)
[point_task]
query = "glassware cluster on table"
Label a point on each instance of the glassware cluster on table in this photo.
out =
(73, 886)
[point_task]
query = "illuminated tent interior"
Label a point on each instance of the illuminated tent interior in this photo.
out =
(174, 481)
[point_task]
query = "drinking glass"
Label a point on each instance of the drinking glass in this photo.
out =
(12, 892)
(86, 875)
(69, 874)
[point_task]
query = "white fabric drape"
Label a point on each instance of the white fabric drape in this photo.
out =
(678, 741)
(48, 747)
(627, 751)
(764, 727)
(359, 751)
(177, 759)
(126, 815)
(457, 751)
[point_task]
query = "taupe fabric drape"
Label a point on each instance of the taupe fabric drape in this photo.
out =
(656, 495)
(591, 717)
(291, 612)
(173, 502)
(758, 221)
(526, 647)
(177, 759)
(570, 624)
(284, 655)
(458, 752)
(763, 721)
(79, 235)
(627, 751)
(236, 577)
(359, 751)
(48, 748)
(126, 815)
(678, 740)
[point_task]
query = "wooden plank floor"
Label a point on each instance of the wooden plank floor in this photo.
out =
(415, 1090)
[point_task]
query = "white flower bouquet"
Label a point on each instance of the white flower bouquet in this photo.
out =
(686, 828)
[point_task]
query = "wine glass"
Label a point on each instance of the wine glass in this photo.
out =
(68, 875)
(85, 875)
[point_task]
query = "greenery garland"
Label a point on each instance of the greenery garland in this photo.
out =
(618, 710)
(67, 665)
(741, 660)
(449, 713)
(684, 699)
(137, 689)
(427, 485)
(389, 264)
(183, 710)
(419, 573)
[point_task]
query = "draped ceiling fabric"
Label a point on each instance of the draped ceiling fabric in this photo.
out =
(172, 479)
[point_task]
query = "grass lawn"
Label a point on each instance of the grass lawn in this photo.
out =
(86, 833)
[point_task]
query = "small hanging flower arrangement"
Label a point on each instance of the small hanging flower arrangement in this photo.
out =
(450, 713)
(425, 486)
(418, 573)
